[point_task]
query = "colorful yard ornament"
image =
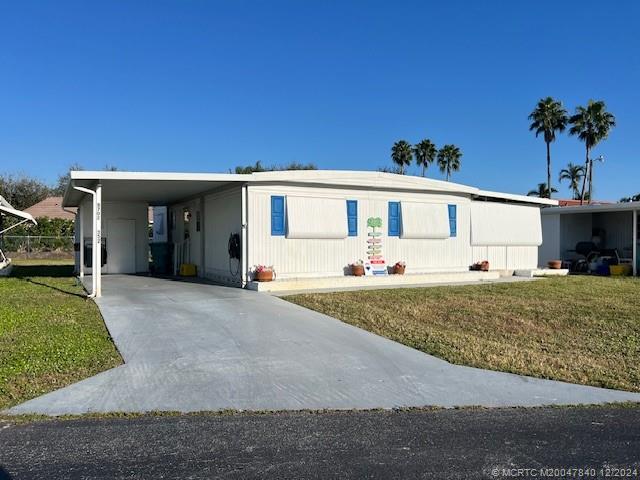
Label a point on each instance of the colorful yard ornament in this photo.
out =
(376, 264)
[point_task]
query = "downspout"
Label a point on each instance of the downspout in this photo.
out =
(244, 236)
(94, 240)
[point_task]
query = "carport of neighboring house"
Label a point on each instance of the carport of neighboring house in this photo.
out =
(113, 214)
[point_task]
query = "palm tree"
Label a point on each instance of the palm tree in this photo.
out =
(401, 154)
(591, 124)
(425, 153)
(449, 159)
(542, 191)
(547, 118)
(574, 174)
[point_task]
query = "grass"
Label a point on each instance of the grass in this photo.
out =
(577, 329)
(50, 334)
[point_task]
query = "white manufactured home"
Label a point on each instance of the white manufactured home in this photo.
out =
(306, 224)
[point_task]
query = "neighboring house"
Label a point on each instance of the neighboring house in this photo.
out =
(305, 223)
(51, 207)
(606, 227)
(573, 203)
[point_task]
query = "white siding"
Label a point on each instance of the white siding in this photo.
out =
(311, 257)
(223, 217)
(176, 234)
(550, 248)
(123, 211)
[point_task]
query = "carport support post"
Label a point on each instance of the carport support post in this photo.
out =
(97, 248)
(81, 253)
(243, 239)
(635, 242)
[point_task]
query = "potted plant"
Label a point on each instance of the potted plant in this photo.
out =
(357, 268)
(482, 266)
(398, 268)
(555, 264)
(262, 273)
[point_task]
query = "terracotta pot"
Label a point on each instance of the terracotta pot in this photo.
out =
(264, 276)
(484, 266)
(555, 264)
(357, 270)
(398, 270)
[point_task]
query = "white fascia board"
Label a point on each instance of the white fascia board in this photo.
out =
(518, 198)
(118, 175)
(614, 207)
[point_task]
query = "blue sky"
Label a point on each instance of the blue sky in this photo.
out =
(204, 86)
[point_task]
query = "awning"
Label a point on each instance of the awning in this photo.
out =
(6, 208)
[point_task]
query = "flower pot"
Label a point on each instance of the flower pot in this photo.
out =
(398, 270)
(555, 264)
(357, 270)
(264, 276)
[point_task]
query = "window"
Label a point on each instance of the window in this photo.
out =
(277, 215)
(453, 227)
(352, 217)
(424, 220)
(394, 219)
(314, 217)
(497, 224)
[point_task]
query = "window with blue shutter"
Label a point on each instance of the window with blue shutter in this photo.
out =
(352, 217)
(277, 215)
(394, 219)
(453, 227)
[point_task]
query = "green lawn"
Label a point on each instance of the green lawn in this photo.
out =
(50, 334)
(578, 329)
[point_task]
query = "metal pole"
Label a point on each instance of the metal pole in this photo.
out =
(635, 243)
(244, 237)
(98, 246)
(94, 232)
(80, 218)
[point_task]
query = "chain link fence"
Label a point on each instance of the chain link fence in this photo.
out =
(31, 246)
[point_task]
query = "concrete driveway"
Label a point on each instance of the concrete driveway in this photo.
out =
(192, 347)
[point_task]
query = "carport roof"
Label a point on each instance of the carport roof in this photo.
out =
(161, 188)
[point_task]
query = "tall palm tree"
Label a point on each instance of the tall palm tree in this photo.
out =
(591, 124)
(449, 159)
(425, 153)
(542, 191)
(401, 154)
(574, 174)
(547, 118)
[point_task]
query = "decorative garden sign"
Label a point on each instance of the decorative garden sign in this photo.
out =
(375, 264)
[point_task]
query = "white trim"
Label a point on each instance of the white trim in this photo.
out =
(243, 236)
(97, 220)
(356, 179)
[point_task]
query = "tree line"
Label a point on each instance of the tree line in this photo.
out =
(425, 154)
(591, 124)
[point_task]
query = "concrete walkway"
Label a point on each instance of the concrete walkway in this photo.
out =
(191, 347)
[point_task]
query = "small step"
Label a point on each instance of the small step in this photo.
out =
(352, 282)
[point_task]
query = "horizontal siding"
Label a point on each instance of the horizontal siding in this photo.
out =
(316, 257)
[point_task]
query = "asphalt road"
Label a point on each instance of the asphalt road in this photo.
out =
(407, 444)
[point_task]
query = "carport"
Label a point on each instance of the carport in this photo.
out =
(112, 217)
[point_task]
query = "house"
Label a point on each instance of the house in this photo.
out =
(51, 207)
(571, 233)
(307, 224)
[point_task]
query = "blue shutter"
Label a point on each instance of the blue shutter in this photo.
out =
(394, 219)
(277, 215)
(453, 227)
(352, 217)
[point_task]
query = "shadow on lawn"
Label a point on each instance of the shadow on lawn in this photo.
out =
(29, 273)
(58, 271)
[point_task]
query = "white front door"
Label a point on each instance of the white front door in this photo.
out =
(121, 246)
